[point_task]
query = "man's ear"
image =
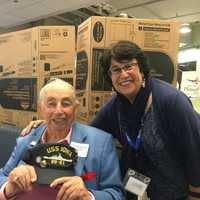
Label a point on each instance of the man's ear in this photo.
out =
(77, 102)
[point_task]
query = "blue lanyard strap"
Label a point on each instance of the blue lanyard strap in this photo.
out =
(135, 145)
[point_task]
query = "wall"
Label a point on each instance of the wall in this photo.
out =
(190, 83)
(188, 55)
(196, 33)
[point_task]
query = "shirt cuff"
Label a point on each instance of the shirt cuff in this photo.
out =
(91, 195)
(2, 196)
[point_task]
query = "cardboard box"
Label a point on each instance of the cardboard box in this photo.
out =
(159, 39)
(28, 59)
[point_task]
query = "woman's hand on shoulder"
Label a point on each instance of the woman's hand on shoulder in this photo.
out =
(32, 124)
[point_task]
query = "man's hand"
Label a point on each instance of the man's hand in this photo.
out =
(20, 179)
(72, 188)
(32, 124)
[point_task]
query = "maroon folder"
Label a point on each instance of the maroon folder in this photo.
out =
(39, 192)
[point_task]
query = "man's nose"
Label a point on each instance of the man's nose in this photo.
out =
(59, 107)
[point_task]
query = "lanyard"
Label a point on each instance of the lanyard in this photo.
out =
(138, 141)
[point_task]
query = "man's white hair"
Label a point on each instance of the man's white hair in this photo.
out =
(56, 83)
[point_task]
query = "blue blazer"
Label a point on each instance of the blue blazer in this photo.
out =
(101, 158)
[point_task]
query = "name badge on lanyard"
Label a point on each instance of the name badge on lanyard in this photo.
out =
(135, 182)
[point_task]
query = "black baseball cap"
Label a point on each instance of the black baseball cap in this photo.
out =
(51, 161)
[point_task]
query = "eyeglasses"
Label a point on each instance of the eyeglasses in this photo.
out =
(126, 68)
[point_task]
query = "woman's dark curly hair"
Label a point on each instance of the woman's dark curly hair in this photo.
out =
(124, 50)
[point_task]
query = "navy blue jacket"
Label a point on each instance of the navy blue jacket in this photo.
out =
(170, 141)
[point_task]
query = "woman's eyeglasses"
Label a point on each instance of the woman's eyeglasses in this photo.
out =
(118, 70)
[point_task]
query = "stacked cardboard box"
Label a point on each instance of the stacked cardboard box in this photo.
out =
(28, 59)
(158, 38)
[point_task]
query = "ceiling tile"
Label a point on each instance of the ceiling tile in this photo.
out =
(33, 12)
(8, 20)
(61, 6)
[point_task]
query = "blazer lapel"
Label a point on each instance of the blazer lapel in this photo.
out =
(79, 136)
(35, 137)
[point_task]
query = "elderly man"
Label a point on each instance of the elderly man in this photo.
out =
(96, 153)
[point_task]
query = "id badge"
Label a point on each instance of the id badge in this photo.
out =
(135, 182)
